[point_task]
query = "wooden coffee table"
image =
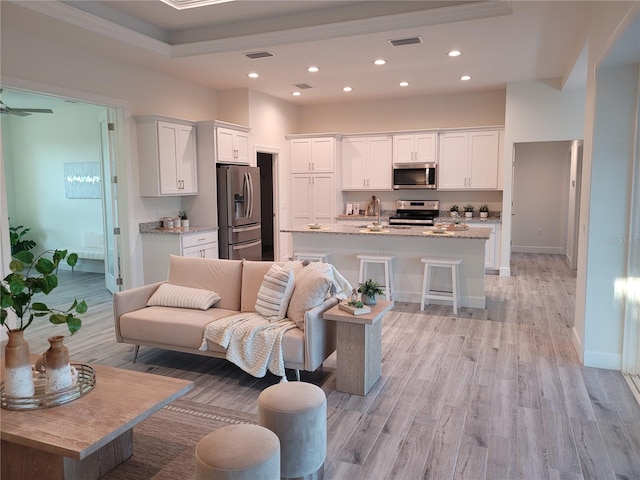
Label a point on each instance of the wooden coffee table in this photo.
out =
(87, 437)
(359, 349)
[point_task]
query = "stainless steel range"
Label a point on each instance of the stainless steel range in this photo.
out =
(415, 212)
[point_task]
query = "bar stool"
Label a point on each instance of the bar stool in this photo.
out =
(385, 260)
(454, 296)
(312, 256)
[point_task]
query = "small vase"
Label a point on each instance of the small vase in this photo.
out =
(57, 365)
(185, 222)
(367, 300)
(17, 367)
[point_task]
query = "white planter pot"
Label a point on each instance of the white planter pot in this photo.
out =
(185, 223)
(484, 214)
(468, 214)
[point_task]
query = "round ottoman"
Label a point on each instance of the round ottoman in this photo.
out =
(238, 452)
(297, 413)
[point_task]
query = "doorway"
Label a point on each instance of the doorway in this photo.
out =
(265, 162)
(38, 152)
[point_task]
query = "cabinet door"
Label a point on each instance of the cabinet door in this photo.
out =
(301, 200)
(490, 249)
(224, 145)
(426, 147)
(167, 147)
(403, 151)
(208, 250)
(300, 151)
(354, 151)
(452, 167)
(379, 152)
(323, 195)
(483, 159)
(241, 147)
(186, 164)
(323, 154)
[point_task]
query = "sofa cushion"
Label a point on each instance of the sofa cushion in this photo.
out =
(312, 286)
(168, 295)
(170, 326)
(275, 293)
(253, 273)
(220, 275)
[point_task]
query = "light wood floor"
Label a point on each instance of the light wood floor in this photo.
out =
(487, 394)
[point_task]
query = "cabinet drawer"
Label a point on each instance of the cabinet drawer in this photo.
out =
(195, 239)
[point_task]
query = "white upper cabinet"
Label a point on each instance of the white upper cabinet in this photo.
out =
(312, 198)
(415, 148)
(167, 157)
(313, 154)
(232, 145)
(469, 160)
(366, 163)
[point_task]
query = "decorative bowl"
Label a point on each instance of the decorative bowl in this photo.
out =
(315, 226)
(375, 228)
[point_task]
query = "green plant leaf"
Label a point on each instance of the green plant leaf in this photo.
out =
(57, 319)
(74, 324)
(44, 266)
(72, 259)
(39, 307)
(82, 307)
(24, 256)
(49, 283)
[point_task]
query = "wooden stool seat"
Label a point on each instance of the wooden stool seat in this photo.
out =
(428, 294)
(385, 260)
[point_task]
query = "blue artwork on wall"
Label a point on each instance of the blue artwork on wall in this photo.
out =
(82, 180)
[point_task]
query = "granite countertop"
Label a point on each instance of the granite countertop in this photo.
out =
(473, 233)
(156, 228)
(447, 219)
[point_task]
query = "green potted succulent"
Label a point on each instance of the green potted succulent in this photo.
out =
(19, 293)
(484, 211)
(454, 208)
(369, 290)
(468, 210)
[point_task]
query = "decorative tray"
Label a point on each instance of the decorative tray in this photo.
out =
(457, 227)
(86, 382)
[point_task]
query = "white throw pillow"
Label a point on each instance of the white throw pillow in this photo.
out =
(275, 293)
(168, 295)
(313, 286)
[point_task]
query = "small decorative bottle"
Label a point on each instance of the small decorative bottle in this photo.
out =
(17, 366)
(58, 367)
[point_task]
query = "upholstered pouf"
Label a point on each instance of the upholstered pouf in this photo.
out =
(297, 413)
(238, 452)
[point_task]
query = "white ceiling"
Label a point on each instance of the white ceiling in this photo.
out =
(501, 42)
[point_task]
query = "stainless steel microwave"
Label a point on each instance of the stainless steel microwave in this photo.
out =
(414, 175)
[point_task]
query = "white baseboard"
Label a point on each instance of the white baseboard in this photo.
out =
(505, 271)
(577, 344)
(537, 249)
(608, 361)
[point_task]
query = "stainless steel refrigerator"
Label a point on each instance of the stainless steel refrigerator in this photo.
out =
(240, 230)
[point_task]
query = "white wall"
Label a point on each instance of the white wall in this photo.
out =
(409, 113)
(540, 197)
(37, 147)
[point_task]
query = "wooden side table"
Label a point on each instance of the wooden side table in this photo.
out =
(359, 349)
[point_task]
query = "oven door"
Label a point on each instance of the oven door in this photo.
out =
(414, 176)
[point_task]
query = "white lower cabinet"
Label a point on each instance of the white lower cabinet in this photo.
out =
(156, 249)
(312, 198)
(492, 247)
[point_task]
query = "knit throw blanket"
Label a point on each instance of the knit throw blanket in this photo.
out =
(253, 343)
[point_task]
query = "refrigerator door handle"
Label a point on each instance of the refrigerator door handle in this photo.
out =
(250, 195)
(246, 245)
(245, 193)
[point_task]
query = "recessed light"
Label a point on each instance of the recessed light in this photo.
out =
(454, 53)
(464, 78)
(253, 75)
(404, 84)
(380, 61)
(313, 69)
(296, 94)
(347, 89)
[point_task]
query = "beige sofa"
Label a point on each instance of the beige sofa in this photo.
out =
(237, 282)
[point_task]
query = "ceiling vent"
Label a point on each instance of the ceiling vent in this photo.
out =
(255, 55)
(302, 86)
(405, 41)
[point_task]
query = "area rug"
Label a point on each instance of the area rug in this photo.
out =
(164, 444)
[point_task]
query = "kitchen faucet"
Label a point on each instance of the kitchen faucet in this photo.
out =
(379, 208)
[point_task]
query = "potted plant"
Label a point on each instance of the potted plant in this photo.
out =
(454, 208)
(184, 221)
(468, 210)
(18, 243)
(369, 290)
(484, 211)
(19, 294)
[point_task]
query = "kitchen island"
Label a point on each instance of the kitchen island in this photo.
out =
(408, 245)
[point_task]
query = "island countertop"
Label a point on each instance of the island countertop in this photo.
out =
(472, 233)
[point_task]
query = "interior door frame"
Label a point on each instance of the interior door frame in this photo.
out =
(275, 155)
(129, 233)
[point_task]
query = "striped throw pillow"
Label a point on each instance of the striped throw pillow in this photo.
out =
(275, 293)
(168, 295)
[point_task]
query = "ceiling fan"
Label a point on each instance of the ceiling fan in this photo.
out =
(21, 112)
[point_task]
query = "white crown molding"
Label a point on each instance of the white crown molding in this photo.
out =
(93, 23)
(456, 13)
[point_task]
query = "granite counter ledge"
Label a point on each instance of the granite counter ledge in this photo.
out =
(156, 228)
(472, 233)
